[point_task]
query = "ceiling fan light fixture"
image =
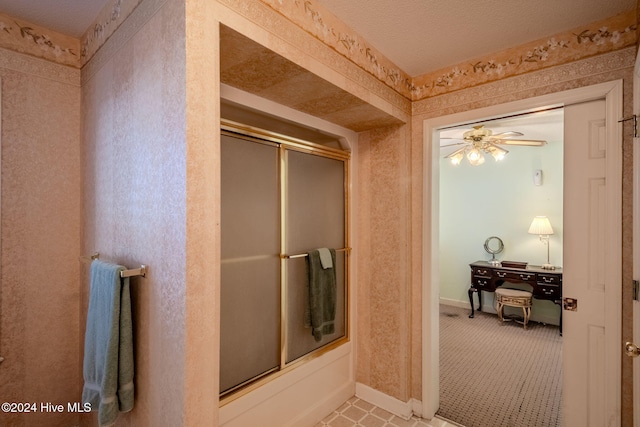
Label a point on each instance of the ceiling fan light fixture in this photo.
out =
(497, 152)
(457, 158)
(475, 157)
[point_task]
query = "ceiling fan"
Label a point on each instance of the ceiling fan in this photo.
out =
(481, 140)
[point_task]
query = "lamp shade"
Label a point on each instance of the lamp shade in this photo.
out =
(541, 226)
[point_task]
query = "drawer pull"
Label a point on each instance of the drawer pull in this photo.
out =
(501, 274)
(525, 276)
(548, 279)
(483, 272)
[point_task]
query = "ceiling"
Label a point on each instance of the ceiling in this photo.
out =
(417, 35)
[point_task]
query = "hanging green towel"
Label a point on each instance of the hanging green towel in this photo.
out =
(321, 312)
(108, 344)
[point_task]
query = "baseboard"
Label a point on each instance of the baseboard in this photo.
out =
(454, 303)
(397, 407)
(536, 316)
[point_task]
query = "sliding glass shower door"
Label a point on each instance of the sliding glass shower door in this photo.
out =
(250, 292)
(281, 199)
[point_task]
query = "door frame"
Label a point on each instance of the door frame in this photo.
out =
(636, 243)
(612, 92)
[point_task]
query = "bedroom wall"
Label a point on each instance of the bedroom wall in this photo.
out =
(499, 199)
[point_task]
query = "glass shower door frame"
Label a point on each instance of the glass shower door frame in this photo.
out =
(286, 145)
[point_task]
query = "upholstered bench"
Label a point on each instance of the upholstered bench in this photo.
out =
(513, 298)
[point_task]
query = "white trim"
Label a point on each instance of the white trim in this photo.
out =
(489, 308)
(612, 91)
(636, 244)
(397, 407)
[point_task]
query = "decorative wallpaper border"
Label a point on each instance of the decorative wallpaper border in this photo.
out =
(609, 35)
(136, 18)
(326, 27)
(600, 37)
(112, 15)
(21, 36)
(584, 68)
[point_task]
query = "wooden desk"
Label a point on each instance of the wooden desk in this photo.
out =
(546, 284)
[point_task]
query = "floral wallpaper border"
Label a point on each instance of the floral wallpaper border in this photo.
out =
(24, 37)
(323, 25)
(112, 15)
(608, 35)
(604, 36)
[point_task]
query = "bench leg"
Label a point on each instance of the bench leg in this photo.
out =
(499, 309)
(527, 315)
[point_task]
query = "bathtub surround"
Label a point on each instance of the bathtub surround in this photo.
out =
(150, 101)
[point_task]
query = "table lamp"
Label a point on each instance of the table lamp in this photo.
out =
(542, 227)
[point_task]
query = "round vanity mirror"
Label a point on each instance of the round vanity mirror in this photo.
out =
(493, 245)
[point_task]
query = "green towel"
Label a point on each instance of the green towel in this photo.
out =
(108, 344)
(321, 311)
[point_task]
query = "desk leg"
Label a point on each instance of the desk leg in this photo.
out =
(560, 305)
(471, 292)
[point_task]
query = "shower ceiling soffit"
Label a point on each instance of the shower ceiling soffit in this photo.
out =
(253, 68)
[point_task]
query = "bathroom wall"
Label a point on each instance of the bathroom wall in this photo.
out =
(383, 292)
(40, 236)
(150, 197)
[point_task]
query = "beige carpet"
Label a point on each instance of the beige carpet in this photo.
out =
(494, 375)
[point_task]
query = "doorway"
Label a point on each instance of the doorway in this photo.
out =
(607, 375)
(500, 197)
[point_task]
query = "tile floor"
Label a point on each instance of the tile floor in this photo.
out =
(357, 412)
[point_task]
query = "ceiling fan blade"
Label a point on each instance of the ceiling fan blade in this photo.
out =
(503, 135)
(528, 142)
(454, 144)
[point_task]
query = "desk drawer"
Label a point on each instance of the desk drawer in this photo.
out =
(549, 279)
(514, 276)
(545, 291)
(481, 283)
(480, 271)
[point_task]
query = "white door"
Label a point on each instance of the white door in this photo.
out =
(592, 267)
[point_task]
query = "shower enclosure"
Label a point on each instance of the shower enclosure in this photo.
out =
(281, 197)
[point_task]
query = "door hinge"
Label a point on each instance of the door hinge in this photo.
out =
(635, 124)
(636, 290)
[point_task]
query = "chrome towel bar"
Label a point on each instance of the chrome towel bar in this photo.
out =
(142, 271)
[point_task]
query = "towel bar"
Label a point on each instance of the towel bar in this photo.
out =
(285, 256)
(142, 271)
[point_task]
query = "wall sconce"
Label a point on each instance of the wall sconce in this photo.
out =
(542, 227)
